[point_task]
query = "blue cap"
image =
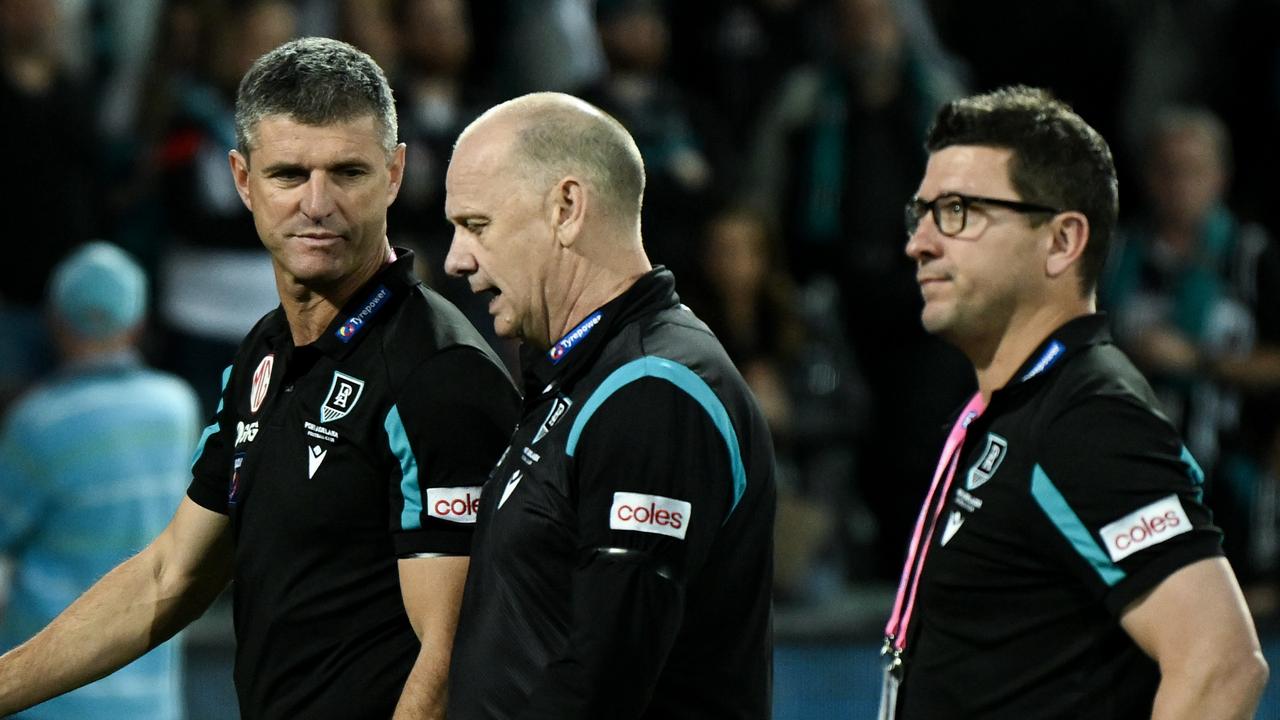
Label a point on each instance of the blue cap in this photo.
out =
(98, 291)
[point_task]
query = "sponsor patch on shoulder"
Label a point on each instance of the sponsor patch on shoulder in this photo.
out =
(650, 513)
(1144, 527)
(455, 504)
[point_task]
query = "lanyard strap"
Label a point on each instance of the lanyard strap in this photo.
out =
(904, 604)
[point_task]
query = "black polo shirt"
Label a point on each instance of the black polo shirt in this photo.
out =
(333, 460)
(622, 563)
(1073, 497)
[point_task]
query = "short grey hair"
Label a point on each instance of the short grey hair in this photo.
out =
(561, 135)
(314, 81)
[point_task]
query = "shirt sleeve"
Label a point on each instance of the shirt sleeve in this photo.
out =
(213, 464)
(451, 420)
(654, 484)
(1124, 498)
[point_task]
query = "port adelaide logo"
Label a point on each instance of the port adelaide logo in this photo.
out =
(992, 456)
(343, 395)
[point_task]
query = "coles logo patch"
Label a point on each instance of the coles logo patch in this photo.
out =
(261, 380)
(458, 504)
(1145, 527)
(650, 513)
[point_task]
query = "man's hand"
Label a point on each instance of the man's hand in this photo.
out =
(432, 592)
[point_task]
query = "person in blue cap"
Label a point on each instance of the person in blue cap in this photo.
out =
(92, 462)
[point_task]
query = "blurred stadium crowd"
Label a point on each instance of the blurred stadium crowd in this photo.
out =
(781, 138)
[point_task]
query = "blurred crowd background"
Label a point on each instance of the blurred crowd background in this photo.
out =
(781, 138)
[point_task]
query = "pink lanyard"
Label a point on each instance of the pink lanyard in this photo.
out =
(895, 632)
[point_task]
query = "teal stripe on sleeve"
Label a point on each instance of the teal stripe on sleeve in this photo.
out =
(1195, 472)
(1068, 523)
(213, 426)
(683, 378)
(410, 490)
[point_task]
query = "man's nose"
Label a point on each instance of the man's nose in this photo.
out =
(459, 262)
(317, 201)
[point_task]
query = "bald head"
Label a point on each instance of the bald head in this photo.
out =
(552, 135)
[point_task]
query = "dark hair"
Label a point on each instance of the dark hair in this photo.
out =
(316, 81)
(1058, 160)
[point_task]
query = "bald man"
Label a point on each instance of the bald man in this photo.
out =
(621, 566)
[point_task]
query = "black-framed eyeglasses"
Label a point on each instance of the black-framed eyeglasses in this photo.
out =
(951, 211)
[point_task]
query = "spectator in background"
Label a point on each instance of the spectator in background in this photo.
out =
(836, 153)
(47, 135)
(734, 53)
(544, 44)
(91, 465)
(1195, 291)
(437, 95)
(638, 92)
(216, 280)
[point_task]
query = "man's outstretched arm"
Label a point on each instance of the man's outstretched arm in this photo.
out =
(135, 607)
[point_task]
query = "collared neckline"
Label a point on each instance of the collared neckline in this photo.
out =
(1074, 335)
(366, 307)
(576, 350)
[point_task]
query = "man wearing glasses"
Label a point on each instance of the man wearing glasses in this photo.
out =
(1063, 564)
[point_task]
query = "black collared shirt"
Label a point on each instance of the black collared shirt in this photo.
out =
(1073, 497)
(333, 460)
(622, 563)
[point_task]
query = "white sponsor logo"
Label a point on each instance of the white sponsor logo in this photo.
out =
(343, 395)
(954, 521)
(968, 501)
(1145, 527)
(261, 380)
(992, 456)
(650, 513)
(319, 432)
(529, 456)
(246, 433)
(512, 482)
(459, 504)
(314, 458)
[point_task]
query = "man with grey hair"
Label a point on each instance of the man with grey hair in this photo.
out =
(337, 483)
(622, 563)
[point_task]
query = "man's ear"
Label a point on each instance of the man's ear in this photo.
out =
(1069, 238)
(568, 209)
(240, 174)
(396, 171)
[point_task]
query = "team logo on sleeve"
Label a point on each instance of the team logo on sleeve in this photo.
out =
(559, 407)
(261, 380)
(1142, 528)
(343, 395)
(650, 513)
(992, 456)
(455, 504)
